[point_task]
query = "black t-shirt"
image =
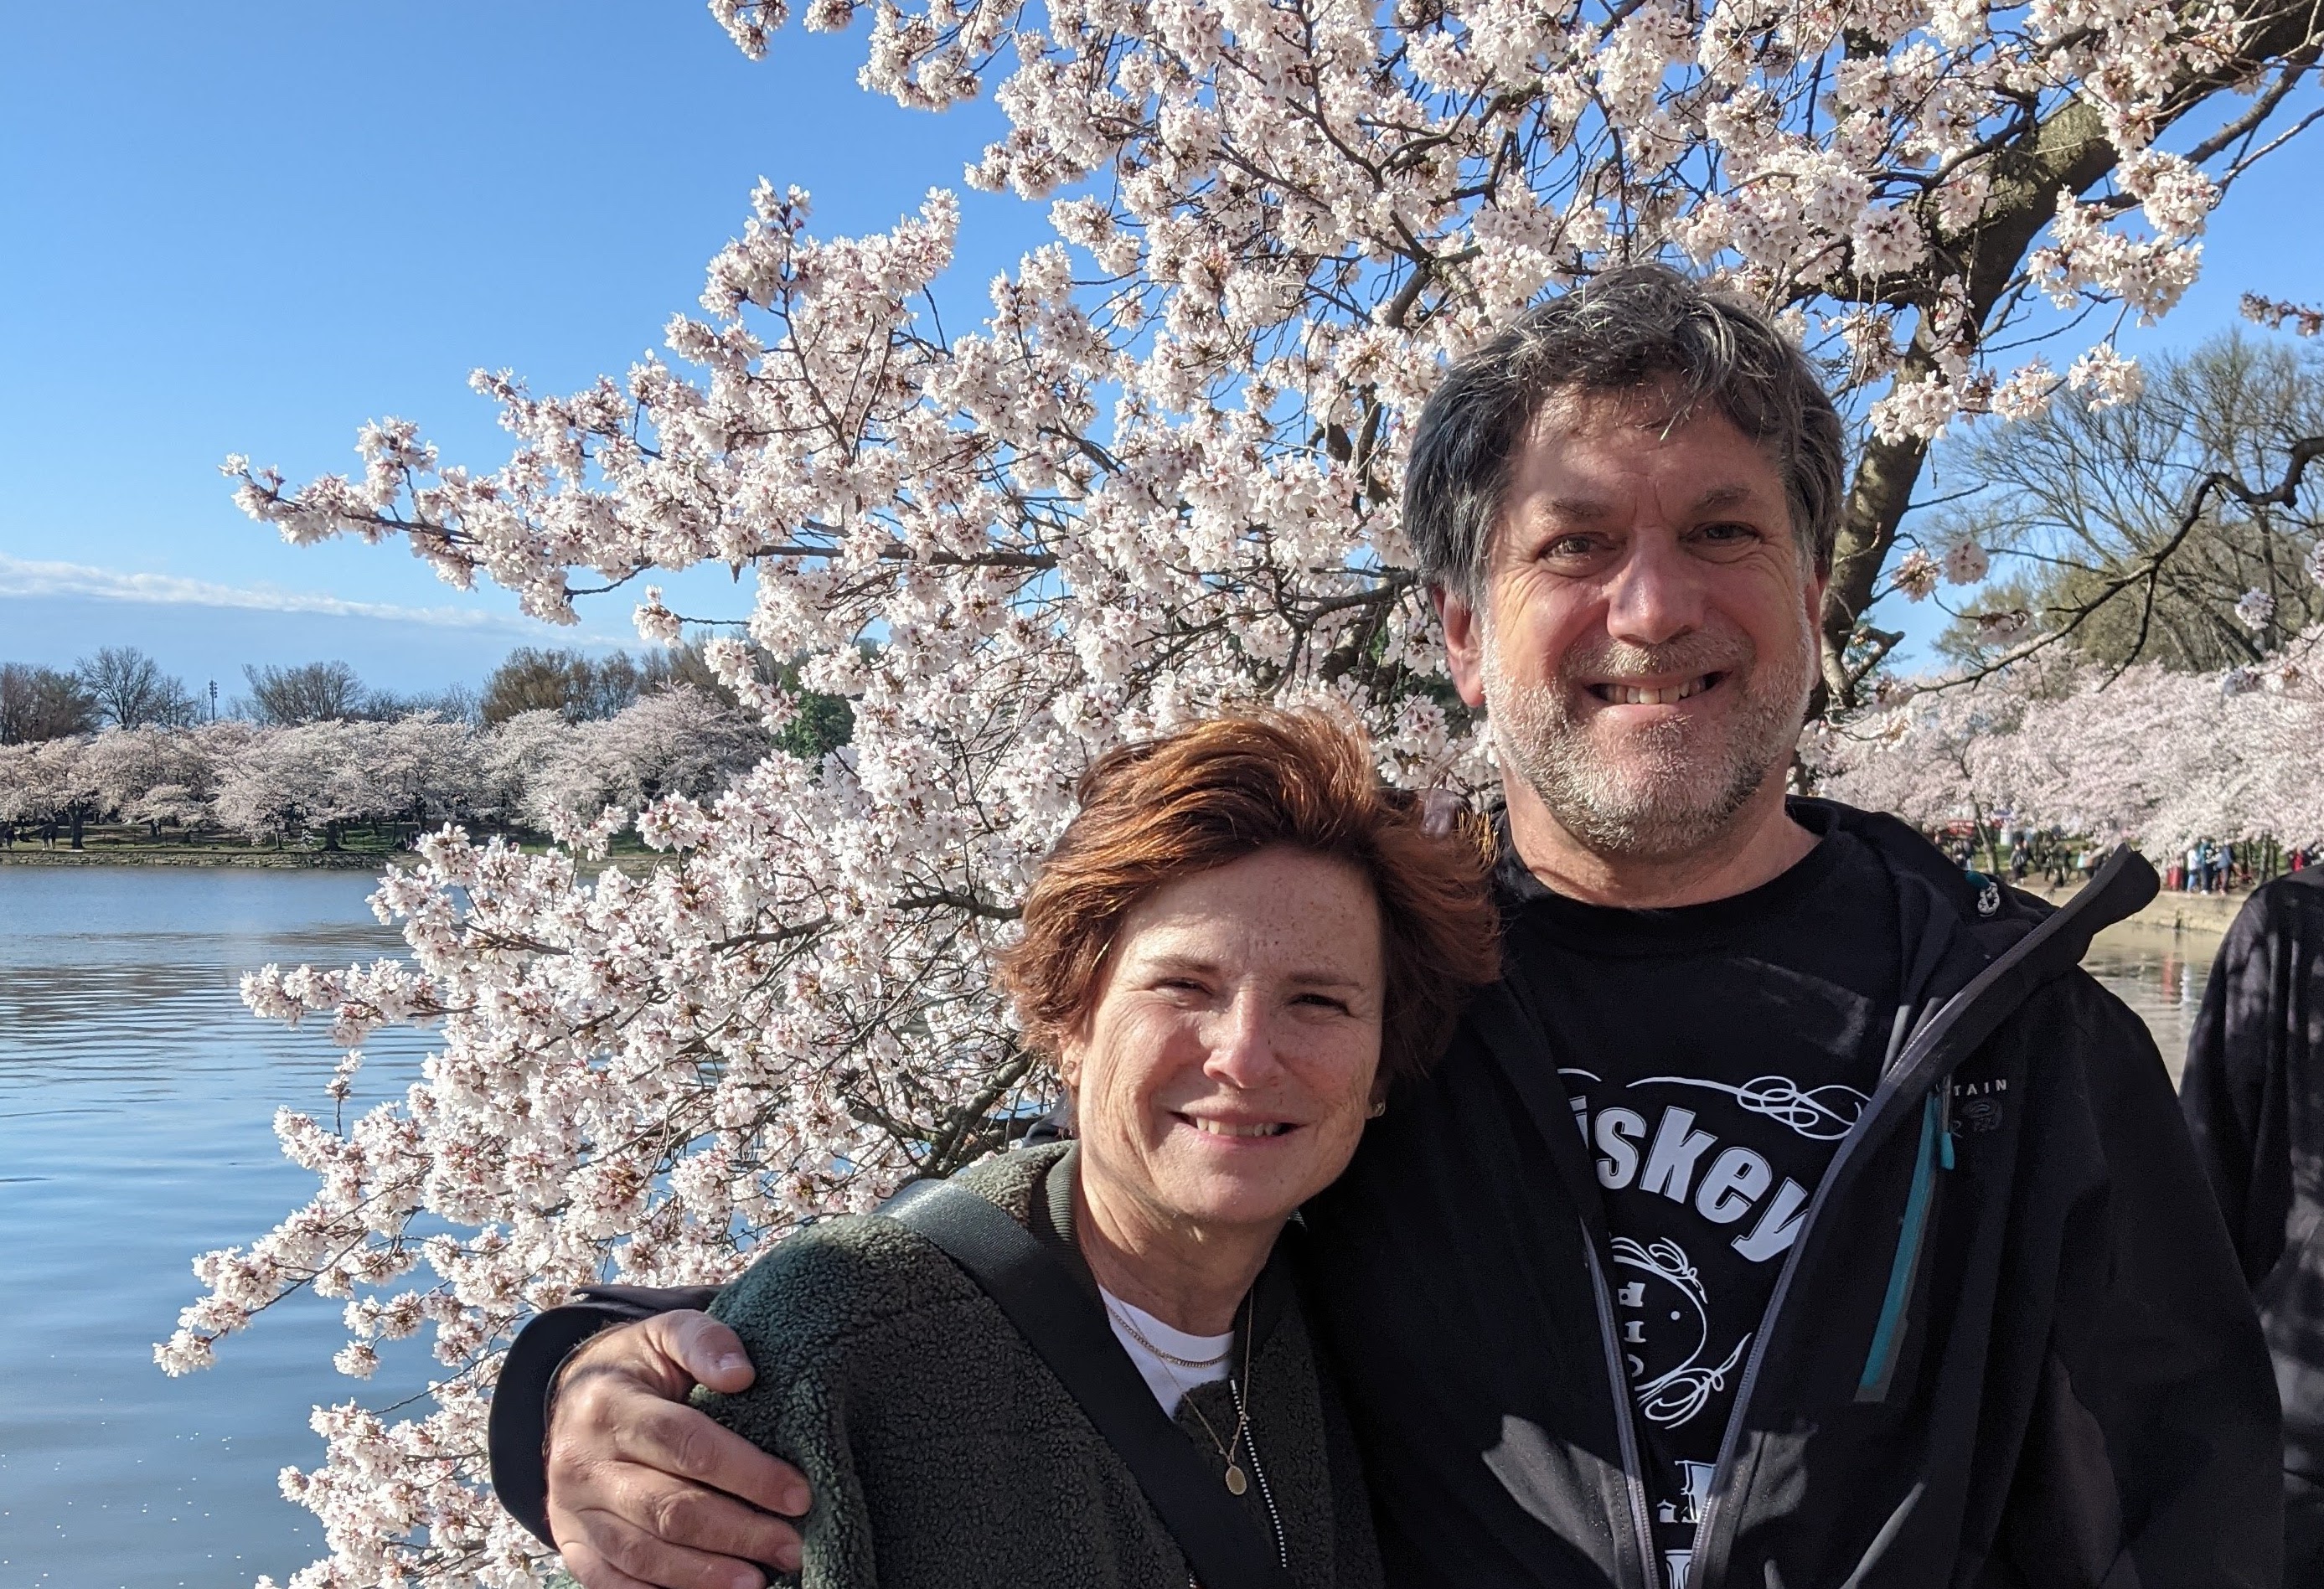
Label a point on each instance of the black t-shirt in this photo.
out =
(1715, 1055)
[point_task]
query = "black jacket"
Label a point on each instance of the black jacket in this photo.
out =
(2010, 1347)
(2254, 1093)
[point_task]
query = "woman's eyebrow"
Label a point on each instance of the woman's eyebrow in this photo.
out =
(1165, 960)
(1325, 978)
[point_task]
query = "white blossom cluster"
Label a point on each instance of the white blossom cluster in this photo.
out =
(535, 771)
(1158, 475)
(2157, 758)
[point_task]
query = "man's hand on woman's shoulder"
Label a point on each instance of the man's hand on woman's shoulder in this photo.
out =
(647, 1492)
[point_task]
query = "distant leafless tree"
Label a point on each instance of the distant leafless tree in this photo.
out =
(2087, 515)
(315, 691)
(41, 703)
(535, 678)
(132, 691)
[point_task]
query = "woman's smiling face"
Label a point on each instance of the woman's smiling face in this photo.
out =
(1224, 1075)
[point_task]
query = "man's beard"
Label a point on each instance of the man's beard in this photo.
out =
(1673, 787)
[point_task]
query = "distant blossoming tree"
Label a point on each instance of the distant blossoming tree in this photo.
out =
(1160, 473)
(270, 782)
(2155, 756)
(674, 743)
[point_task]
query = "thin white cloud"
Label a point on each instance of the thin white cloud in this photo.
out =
(21, 576)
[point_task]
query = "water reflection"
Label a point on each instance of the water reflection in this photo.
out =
(2160, 975)
(136, 1099)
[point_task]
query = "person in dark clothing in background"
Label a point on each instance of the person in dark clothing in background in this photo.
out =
(2253, 1094)
(1794, 1213)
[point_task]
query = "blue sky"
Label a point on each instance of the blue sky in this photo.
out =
(250, 227)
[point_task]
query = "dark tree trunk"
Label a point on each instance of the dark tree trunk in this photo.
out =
(2067, 151)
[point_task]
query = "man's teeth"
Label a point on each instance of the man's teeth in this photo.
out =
(1628, 696)
(1228, 1128)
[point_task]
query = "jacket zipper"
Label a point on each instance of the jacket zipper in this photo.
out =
(1723, 1472)
(1880, 1361)
(1258, 1472)
(1625, 1428)
(1895, 1079)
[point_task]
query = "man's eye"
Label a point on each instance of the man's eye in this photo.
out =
(1727, 532)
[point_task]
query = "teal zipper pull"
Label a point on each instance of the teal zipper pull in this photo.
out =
(1880, 1361)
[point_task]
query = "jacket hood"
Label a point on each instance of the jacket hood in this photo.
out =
(1959, 924)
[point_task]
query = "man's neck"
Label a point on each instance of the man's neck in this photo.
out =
(1760, 845)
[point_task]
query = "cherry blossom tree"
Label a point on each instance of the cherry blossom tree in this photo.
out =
(2157, 757)
(55, 780)
(673, 742)
(1160, 474)
(269, 783)
(288, 781)
(517, 754)
(128, 765)
(418, 768)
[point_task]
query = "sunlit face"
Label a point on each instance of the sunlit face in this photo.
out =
(1648, 640)
(1225, 1072)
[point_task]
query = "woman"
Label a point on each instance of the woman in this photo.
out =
(1233, 952)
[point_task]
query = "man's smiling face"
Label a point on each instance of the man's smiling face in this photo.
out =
(1647, 640)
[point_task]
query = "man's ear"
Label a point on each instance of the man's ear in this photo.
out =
(1464, 643)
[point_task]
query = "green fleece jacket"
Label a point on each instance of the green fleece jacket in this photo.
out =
(942, 1450)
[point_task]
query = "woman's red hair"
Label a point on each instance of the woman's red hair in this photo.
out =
(1194, 800)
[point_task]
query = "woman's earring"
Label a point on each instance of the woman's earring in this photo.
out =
(1380, 1107)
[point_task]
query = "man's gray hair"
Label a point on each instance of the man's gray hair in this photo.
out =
(1639, 328)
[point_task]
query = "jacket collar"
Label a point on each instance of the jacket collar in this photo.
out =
(1956, 923)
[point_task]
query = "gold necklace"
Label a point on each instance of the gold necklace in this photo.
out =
(1121, 1317)
(1236, 1479)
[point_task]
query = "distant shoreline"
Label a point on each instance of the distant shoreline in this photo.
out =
(343, 860)
(2181, 915)
(2209, 915)
(374, 862)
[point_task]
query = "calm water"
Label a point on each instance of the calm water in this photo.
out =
(2161, 976)
(135, 1097)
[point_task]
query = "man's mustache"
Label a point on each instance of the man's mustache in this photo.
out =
(1619, 661)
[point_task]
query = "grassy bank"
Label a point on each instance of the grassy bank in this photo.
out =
(174, 855)
(358, 851)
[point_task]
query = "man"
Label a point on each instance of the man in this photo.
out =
(2254, 1093)
(1792, 1214)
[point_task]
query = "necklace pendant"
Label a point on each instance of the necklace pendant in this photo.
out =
(1236, 1482)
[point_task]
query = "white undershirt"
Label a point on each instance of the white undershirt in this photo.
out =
(1167, 1381)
